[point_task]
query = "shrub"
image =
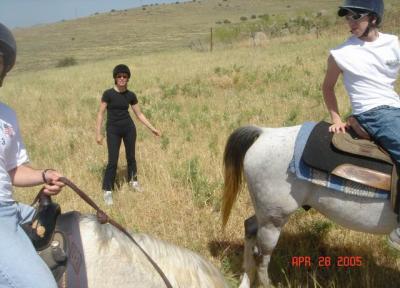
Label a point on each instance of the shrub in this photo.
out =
(67, 61)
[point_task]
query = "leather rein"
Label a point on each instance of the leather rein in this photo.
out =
(103, 218)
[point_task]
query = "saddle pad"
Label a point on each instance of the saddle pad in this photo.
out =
(305, 172)
(320, 154)
(75, 276)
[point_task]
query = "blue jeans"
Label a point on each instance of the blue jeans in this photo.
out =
(20, 266)
(383, 125)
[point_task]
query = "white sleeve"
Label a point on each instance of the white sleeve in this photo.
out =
(17, 154)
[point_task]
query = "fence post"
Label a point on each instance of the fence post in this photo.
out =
(211, 40)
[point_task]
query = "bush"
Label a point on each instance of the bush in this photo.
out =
(243, 18)
(67, 61)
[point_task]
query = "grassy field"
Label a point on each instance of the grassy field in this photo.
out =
(196, 99)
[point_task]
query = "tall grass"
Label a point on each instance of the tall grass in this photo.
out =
(196, 100)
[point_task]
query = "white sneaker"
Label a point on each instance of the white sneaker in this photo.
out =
(136, 186)
(107, 196)
(394, 239)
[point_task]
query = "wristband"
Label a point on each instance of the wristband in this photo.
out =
(44, 175)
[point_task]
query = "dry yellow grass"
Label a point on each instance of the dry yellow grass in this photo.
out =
(137, 31)
(196, 100)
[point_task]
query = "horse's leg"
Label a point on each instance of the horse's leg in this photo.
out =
(249, 263)
(267, 238)
(275, 193)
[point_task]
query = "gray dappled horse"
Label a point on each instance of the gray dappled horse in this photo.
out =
(113, 260)
(264, 154)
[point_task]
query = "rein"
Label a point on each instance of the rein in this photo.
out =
(103, 218)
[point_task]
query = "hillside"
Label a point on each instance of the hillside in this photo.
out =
(196, 100)
(143, 30)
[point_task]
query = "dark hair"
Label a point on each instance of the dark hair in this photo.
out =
(121, 68)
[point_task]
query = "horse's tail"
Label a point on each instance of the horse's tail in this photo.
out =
(236, 147)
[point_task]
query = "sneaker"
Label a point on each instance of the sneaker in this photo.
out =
(107, 196)
(394, 239)
(135, 185)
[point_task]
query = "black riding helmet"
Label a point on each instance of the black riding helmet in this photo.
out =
(8, 48)
(121, 68)
(356, 6)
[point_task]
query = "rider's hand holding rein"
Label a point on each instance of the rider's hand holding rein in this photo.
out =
(25, 176)
(52, 185)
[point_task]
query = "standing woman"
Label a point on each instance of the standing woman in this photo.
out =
(119, 127)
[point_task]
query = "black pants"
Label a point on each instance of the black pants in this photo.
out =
(114, 136)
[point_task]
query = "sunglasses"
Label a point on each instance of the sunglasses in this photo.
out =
(355, 16)
(122, 76)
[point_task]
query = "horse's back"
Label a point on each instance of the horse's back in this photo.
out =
(272, 152)
(112, 264)
(113, 260)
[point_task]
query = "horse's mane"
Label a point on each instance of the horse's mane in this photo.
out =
(170, 256)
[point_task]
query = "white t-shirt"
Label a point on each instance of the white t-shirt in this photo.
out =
(12, 150)
(370, 70)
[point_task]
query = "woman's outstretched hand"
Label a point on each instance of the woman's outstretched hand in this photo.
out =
(156, 132)
(99, 139)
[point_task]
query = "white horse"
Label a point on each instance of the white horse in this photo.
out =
(264, 155)
(113, 260)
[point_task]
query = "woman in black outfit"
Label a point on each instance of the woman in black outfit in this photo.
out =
(119, 127)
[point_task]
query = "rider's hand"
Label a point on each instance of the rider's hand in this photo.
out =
(338, 127)
(52, 186)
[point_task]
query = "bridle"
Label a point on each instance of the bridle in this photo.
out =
(103, 218)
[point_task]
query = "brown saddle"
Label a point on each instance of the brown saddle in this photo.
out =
(57, 240)
(357, 142)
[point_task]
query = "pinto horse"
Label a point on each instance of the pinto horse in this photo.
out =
(263, 156)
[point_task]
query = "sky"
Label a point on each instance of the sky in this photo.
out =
(25, 13)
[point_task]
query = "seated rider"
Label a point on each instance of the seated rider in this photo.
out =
(369, 61)
(20, 265)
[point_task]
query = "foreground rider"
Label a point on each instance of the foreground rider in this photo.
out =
(369, 61)
(20, 266)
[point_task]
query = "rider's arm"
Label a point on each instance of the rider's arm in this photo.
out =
(328, 90)
(25, 176)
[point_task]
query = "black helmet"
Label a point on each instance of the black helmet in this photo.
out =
(373, 6)
(8, 47)
(121, 68)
